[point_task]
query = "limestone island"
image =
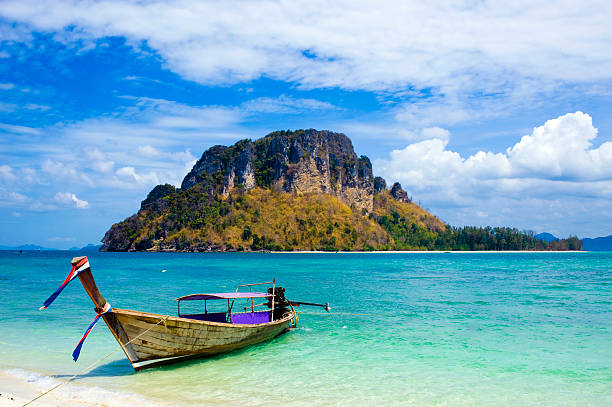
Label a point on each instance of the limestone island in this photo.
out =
(303, 190)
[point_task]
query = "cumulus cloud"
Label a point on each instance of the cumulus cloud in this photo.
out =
(69, 199)
(561, 149)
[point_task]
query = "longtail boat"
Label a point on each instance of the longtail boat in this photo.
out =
(149, 339)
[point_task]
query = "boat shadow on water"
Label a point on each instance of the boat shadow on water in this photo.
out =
(122, 367)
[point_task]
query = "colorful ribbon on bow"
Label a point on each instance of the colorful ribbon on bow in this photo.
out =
(77, 350)
(80, 266)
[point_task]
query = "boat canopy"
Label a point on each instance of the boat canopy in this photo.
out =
(222, 296)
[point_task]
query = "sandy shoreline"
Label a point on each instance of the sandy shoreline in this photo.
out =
(18, 387)
(15, 391)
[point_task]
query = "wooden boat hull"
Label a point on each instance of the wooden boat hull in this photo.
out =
(153, 339)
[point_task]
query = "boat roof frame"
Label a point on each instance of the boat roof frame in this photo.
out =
(229, 296)
(222, 296)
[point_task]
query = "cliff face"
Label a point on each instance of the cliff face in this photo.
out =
(302, 190)
(306, 161)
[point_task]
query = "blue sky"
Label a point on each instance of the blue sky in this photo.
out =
(487, 114)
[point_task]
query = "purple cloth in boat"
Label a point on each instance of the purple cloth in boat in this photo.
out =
(220, 296)
(260, 317)
(211, 316)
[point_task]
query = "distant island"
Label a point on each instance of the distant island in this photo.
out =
(296, 191)
(33, 247)
(598, 243)
(27, 247)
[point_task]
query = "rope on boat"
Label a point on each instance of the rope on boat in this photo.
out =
(93, 364)
(335, 313)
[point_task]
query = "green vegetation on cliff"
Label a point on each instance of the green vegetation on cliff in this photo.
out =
(261, 219)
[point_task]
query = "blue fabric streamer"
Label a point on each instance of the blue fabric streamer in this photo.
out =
(77, 350)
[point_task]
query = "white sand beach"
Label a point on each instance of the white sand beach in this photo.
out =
(15, 391)
(18, 387)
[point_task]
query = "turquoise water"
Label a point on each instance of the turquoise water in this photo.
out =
(424, 329)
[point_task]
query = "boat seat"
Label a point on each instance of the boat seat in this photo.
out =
(260, 317)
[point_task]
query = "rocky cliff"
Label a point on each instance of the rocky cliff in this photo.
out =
(300, 190)
(304, 161)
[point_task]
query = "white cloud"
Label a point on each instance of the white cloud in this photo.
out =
(285, 105)
(69, 199)
(426, 133)
(132, 150)
(19, 129)
(98, 161)
(6, 86)
(6, 173)
(35, 106)
(557, 162)
(162, 124)
(559, 149)
(127, 177)
(448, 47)
(65, 172)
(149, 151)
(40, 206)
(28, 175)
(11, 198)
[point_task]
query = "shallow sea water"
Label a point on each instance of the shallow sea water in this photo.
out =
(424, 329)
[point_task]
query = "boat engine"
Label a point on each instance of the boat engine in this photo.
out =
(280, 302)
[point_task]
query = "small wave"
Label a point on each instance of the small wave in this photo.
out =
(71, 393)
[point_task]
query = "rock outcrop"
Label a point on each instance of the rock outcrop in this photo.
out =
(304, 161)
(399, 194)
